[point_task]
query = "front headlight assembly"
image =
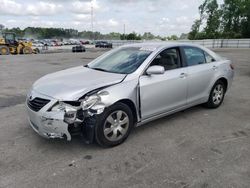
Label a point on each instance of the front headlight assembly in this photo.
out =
(90, 101)
(70, 115)
(94, 102)
(91, 104)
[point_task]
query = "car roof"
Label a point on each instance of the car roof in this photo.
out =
(157, 45)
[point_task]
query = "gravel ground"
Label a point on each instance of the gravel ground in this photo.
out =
(194, 148)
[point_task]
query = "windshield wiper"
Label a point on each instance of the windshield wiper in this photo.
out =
(99, 69)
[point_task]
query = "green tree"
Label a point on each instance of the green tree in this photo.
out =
(194, 30)
(232, 15)
(148, 36)
(213, 19)
(123, 36)
(172, 37)
(198, 22)
(246, 20)
(231, 20)
(233, 11)
(130, 36)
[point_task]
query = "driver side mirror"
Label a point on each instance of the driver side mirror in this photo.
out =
(155, 69)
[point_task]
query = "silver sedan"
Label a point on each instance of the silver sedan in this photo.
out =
(127, 87)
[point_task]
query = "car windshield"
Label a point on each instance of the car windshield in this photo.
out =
(123, 61)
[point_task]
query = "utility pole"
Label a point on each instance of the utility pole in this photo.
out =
(124, 31)
(92, 19)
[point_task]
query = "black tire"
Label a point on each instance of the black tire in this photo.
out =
(27, 50)
(101, 122)
(212, 102)
(4, 50)
(37, 51)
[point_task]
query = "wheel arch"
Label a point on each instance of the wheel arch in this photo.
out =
(132, 106)
(225, 81)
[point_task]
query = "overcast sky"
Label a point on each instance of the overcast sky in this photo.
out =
(161, 17)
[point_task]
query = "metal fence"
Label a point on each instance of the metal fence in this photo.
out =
(209, 43)
(221, 43)
(117, 43)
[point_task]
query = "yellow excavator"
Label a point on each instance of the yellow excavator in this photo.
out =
(9, 45)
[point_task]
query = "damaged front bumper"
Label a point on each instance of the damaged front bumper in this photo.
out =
(57, 124)
(46, 123)
(49, 125)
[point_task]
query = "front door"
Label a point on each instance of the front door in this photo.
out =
(165, 92)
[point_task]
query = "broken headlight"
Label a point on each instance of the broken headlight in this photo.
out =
(70, 111)
(90, 101)
(94, 100)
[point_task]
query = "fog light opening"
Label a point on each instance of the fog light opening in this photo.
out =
(70, 117)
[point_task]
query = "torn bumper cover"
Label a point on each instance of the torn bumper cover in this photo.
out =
(49, 124)
(56, 118)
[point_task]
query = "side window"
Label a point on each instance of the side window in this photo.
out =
(169, 59)
(209, 58)
(9, 37)
(194, 56)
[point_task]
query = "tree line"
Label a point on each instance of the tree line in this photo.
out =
(229, 20)
(48, 33)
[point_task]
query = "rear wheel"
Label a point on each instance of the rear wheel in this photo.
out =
(216, 95)
(114, 125)
(4, 50)
(27, 50)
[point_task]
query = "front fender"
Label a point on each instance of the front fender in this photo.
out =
(125, 90)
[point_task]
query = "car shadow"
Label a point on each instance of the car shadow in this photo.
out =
(161, 122)
(77, 142)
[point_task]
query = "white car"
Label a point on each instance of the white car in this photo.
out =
(37, 44)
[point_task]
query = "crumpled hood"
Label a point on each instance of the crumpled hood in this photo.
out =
(73, 83)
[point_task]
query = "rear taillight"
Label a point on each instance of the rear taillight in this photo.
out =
(232, 66)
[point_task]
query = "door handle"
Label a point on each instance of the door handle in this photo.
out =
(215, 67)
(183, 75)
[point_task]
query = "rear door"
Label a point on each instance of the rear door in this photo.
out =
(201, 68)
(164, 92)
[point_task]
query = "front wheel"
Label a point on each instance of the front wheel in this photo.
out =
(36, 51)
(27, 50)
(114, 125)
(216, 96)
(4, 50)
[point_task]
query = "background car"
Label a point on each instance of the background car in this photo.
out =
(103, 44)
(78, 48)
(37, 44)
(84, 42)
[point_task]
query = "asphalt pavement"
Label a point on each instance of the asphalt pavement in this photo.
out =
(198, 147)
